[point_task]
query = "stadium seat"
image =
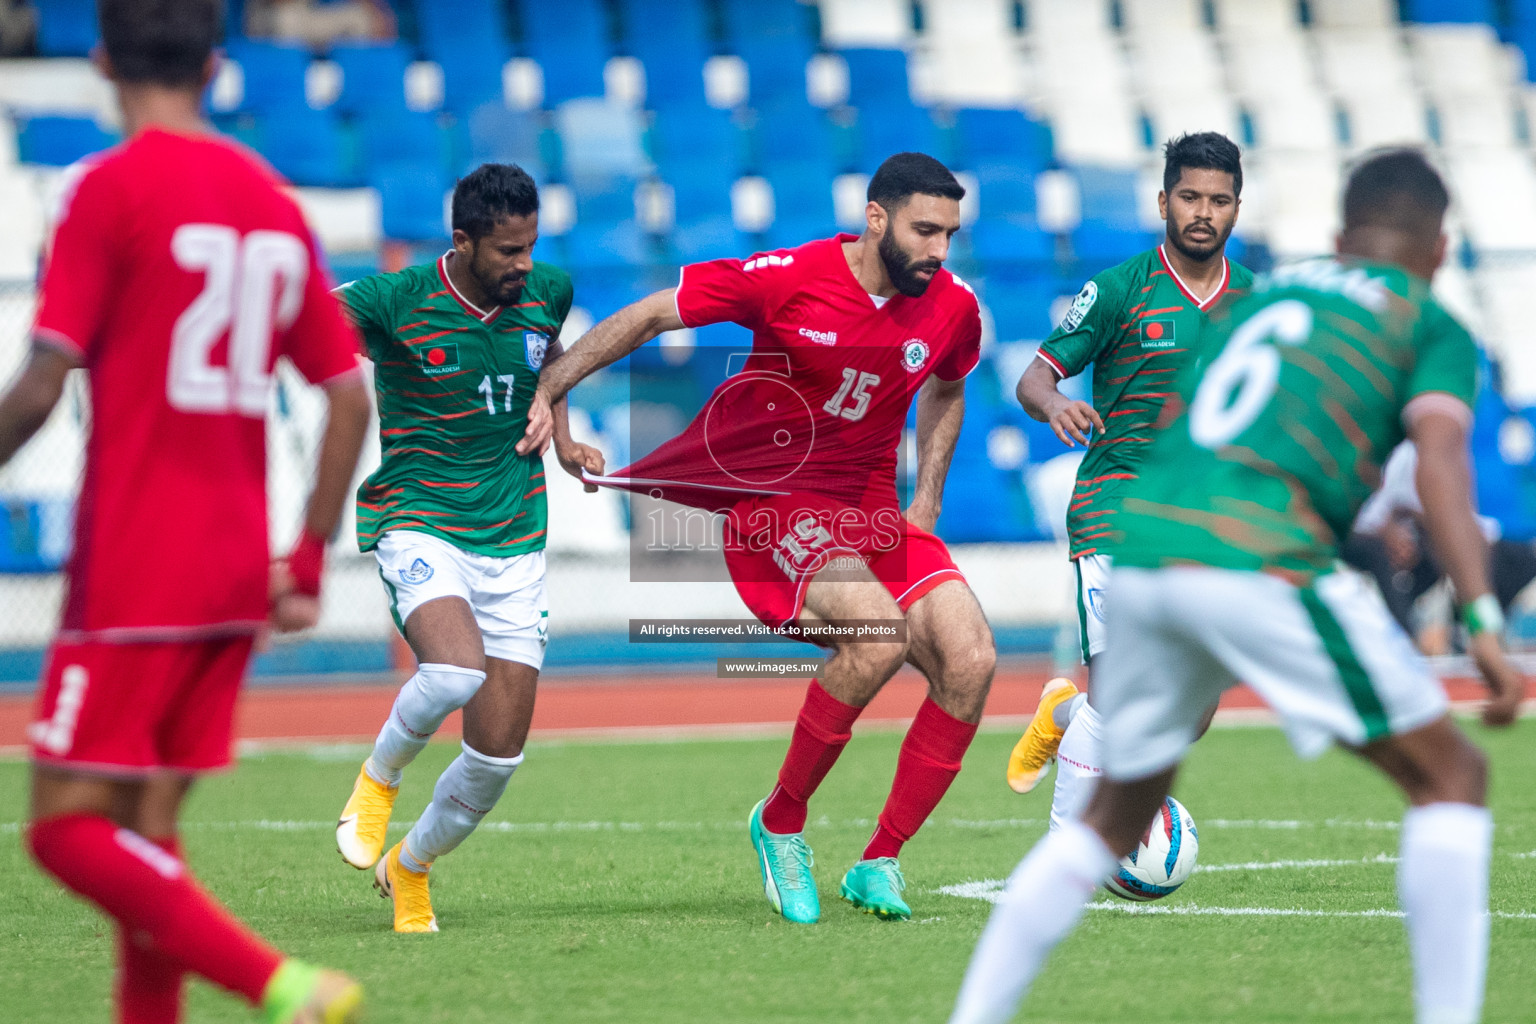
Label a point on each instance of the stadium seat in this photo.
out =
(1010, 243)
(699, 192)
(1305, 120)
(396, 135)
(570, 41)
(1465, 11)
(1172, 116)
(604, 201)
(671, 40)
(59, 141)
(65, 28)
(1168, 63)
(1020, 306)
(273, 76)
(474, 76)
(1496, 197)
(876, 77)
(599, 139)
(1237, 19)
(706, 238)
(500, 135)
(1353, 14)
(306, 147)
(775, 68)
(1004, 189)
(988, 136)
(990, 73)
(1145, 16)
(372, 77)
(965, 21)
(607, 245)
(793, 130)
(1386, 119)
(26, 227)
(696, 135)
(1363, 63)
(1461, 60)
(1108, 197)
(1300, 225)
(1096, 245)
(412, 202)
(802, 193)
(1476, 122)
(886, 23)
(896, 127)
(456, 26)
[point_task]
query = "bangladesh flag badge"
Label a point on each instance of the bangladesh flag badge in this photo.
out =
(440, 359)
(1159, 333)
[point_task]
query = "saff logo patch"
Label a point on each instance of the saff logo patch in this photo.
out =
(440, 359)
(1158, 333)
(1080, 307)
(419, 572)
(914, 354)
(534, 347)
(1096, 602)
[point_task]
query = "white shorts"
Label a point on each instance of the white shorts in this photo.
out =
(1092, 581)
(506, 594)
(1328, 658)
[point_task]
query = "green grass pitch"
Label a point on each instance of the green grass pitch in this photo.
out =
(615, 883)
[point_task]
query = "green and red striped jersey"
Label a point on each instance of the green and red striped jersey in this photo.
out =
(1138, 324)
(453, 383)
(1304, 388)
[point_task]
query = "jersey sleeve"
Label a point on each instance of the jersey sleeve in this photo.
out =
(366, 304)
(965, 351)
(80, 270)
(1088, 326)
(728, 290)
(320, 343)
(1444, 376)
(565, 296)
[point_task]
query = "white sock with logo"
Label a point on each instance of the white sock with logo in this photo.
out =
(428, 697)
(1078, 767)
(465, 794)
(1044, 900)
(1442, 883)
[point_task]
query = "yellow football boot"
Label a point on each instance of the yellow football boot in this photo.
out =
(301, 993)
(407, 890)
(365, 821)
(1033, 754)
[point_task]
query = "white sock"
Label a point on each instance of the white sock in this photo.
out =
(1045, 898)
(1442, 883)
(428, 697)
(1077, 766)
(465, 794)
(1067, 710)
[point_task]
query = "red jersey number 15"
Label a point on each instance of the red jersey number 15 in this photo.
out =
(252, 285)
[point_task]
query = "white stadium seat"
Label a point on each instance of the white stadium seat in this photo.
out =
(884, 23)
(1386, 119)
(1506, 289)
(25, 225)
(1153, 15)
(989, 74)
(1477, 121)
(1095, 129)
(1300, 199)
(59, 85)
(1354, 13)
(1271, 64)
(1363, 63)
(1065, 20)
(1179, 115)
(1460, 60)
(1255, 17)
(1175, 62)
(1496, 193)
(963, 20)
(1305, 120)
(1457, 292)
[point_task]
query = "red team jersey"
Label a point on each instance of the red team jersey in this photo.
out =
(178, 273)
(810, 427)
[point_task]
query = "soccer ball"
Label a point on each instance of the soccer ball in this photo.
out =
(1164, 860)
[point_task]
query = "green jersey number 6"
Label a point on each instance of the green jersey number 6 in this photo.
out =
(1243, 378)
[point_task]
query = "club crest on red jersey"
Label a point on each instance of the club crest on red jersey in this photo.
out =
(440, 359)
(914, 354)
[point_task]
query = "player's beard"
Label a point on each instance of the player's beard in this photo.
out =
(503, 288)
(1198, 249)
(902, 269)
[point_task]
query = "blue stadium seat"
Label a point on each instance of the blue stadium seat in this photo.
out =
(1109, 196)
(307, 147)
(692, 136)
(775, 68)
(1011, 241)
(373, 77)
(60, 141)
(760, 19)
(449, 27)
(706, 238)
(1451, 11)
(876, 77)
(607, 245)
(896, 127)
(700, 191)
(802, 191)
(986, 136)
(472, 76)
(604, 202)
(412, 202)
(794, 131)
(983, 502)
(503, 136)
(600, 139)
(1097, 246)
(1021, 306)
(396, 135)
(570, 41)
(671, 40)
(1004, 190)
(273, 75)
(65, 28)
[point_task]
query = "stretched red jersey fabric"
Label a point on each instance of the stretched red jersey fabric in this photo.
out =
(819, 405)
(178, 273)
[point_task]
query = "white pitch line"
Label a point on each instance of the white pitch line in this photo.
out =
(1274, 865)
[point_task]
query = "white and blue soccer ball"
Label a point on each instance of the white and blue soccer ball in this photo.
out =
(1164, 860)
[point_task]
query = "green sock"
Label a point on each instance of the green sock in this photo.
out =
(285, 994)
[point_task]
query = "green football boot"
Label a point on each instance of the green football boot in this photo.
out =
(785, 862)
(875, 887)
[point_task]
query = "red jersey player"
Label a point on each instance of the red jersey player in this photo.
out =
(178, 273)
(799, 449)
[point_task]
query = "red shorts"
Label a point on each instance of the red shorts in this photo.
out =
(129, 709)
(774, 546)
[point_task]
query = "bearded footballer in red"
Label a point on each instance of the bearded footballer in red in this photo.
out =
(799, 452)
(178, 273)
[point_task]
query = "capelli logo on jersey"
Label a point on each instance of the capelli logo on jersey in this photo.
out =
(819, 337)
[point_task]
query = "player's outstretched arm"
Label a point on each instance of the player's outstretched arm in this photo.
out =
(607, 342)
(574, 457)
(296, 580)
(940, 411)
(36, 390)
(1069, 418)
(1445, 488)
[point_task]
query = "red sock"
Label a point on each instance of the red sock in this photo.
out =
(151, 893)
(822, 730)
(149, 983)
(928, 763)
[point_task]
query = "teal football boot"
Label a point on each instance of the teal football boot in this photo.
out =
(875, 887)
(785, 862)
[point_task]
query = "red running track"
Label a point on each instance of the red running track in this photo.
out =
(571, 705)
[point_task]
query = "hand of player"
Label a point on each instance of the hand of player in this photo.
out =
(1506, 686)
(576, 457)
(288, 611)
(1071, 420)
(541, 426)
